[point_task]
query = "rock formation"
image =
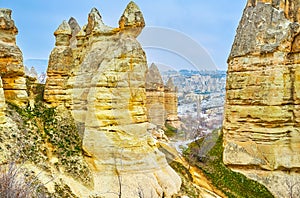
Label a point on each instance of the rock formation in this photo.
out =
(59, 67)
(32, 73)
(11, 61)
(262, 119)
(162, 100)
(2, 104)
(102, 81)
(171, 101)
(155, 97)
(75, 28)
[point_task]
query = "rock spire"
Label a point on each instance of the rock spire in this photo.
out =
(262, 112)
(11, 61)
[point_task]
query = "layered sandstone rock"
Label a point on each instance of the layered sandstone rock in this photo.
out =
(262, 119)
(59, 68)
(11, 61)
(155, 97)
(162, 100)
(171, 101)
(108, 101)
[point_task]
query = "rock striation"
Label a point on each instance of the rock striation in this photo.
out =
(162, 102)
(11, 61)
(262, 117)
(102, 82)
(59, 67)
(155, 94)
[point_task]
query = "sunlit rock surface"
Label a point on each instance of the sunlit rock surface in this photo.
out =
(102, 81)
(59, 68)
(155, 97)
(11, 61)
(171, 101)
(261, 124)
(162, 99)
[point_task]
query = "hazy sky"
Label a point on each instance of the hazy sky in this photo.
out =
(211, 24)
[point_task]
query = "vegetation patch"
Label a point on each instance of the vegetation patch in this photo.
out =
(232, 184)
(187, 187)
(47, 137)
(169, 130)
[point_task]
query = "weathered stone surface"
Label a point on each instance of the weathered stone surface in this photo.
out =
(155, 97)
(162, 100)
(171, 101)
(59, 68)
(11, 61)
(261, 124)
(105, 79)
(2, 104)
(75, 28)
(132, 21)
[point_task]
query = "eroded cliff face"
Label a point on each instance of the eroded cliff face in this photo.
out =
(155, 97)
(59, 68)
(261, 124)
(103, 84)
(162, 100)
(11, 61)
(171, 103)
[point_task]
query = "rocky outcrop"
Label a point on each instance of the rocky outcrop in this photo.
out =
(31, 73)
(155, 97)
(162, 100)
(59, 67)
(262, 120)
(102, 81)
(11, 61)
(171, 101)
(75, 28)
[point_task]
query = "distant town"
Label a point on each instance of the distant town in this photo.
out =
(201, 97)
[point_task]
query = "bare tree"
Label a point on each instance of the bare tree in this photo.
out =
(291, 184)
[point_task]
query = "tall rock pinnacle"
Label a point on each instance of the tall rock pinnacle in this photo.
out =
(96, 25)
(262, 111)
(75, 28)
(11, 61)
(132, 20)
(59, 67)
(155, 97)
(102, 81)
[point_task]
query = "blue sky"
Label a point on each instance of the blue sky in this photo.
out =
(211, 24)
